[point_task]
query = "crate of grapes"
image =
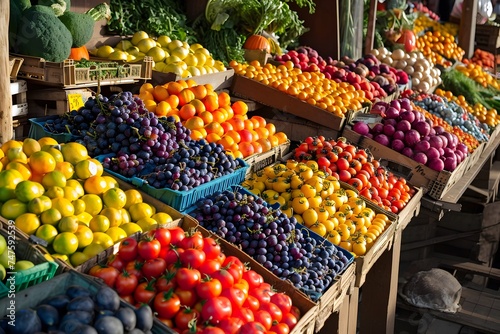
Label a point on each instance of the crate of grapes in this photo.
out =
(45, 127)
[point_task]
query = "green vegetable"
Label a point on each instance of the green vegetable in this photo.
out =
(41, 34)
(81, 25)
(156, 17)
(58, 6)
(23, 4)
(14, 19)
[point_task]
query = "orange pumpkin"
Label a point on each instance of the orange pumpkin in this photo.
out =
(257, 42)
(79, 53)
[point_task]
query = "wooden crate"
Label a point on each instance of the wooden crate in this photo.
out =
(66, 74)
(55, 101)
(14, 65)
(218, 80)
(21, 127)
(18, 91)
(261, 160)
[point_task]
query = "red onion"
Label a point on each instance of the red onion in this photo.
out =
(391, 112)
(395, 104)
(439, 129)
(378, 128)
(378, 109)
(460, 156)
(407, 151)
(412, 137)
(436, 142)
(441, 151)
(405, 103)
(361, 127)
(369, 135)
(382, 139)
(404, 126)
(462, 147)
(448, 152)
(436, 164)
(397, 145)
(422, 127)
(390, 121)
(450, 163)
(449, 139)
(432, 153)
(422, 146)
(398, 135)
(420, 157)
(444, 139)
(432, 132)
(389, 130)
(407, 116)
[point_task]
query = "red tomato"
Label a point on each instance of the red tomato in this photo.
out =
(188, 297)
(221, 258)
(252, 303)
(211, 248)
(235, 296)
(148, 248)
(125, 283)
(243, 313)
(167, 322)
(281, 328)
(253, 278)
(253, 327)
(295, 311)
(108, 275)
(225, 278)
(323, 162)
(176, 235)
(173, 254)
(273, 310)
(166, 304)
(209, 288)
(187, 278)
(154, 268)
(183, 317)
(243, 286)
(344, 175)
(230, 325)
(135, 268)
(116, 262)
(290, 320)
(212, 330)
(209, 267)
(166, 282)
(192, 257)
(262, 294)
(145, 292)
(356, 183)
(192, 240)
(264, 318)
(129, 299)
(342, 164)
(216, 309)
(128, 249)
(94, 269)
(235, 267)
(408, 39)
(284, 302)
(161, 234)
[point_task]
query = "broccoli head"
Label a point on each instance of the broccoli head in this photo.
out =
(58, 6)
(22, 4)
(41, 34)
(14, 18)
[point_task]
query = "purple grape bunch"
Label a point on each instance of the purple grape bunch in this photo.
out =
(272, 239)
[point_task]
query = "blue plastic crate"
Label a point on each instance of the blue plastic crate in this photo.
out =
(37, 130)
(136, 181)
(183, 200)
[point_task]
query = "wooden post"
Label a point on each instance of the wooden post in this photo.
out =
(467, 32)
(370, 31)
(6, 129)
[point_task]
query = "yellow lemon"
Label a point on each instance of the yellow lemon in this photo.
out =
(70, 193)
(85, 169)
(131, 228)
(114, 216)
(112, 183)
(164, 40)
(104, 51)
(28, 223)
(116, 234)
(39, 204)
(84, 218)
(65, 243)
(117, 55)
(54, 151)
(95, 185)
(157, 53)
(103, 239)
(78, 258)
(125, 216)
(47, 233)
(147, 224)
(123, 45)
(114, 198)
(68, 224)
(146, 44)
(47, 141)
(93, 203)
(13, 208)
(93, 249)
(74, 152)
(138, 36)
(51, 216)
(16, 154)
(139, 211)
(84, 235)
(54, 178)
(27, 190)
(133, 197)
(162, 218)
(10, 178)
(54, 192)
(11, 144)
(21, 168)
(174, 44)
(79, 206)
(99, 223)
(75, 184)
(64, 206)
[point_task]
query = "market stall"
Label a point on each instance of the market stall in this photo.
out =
(219, 168)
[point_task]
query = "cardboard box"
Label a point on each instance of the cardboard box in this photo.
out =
(218, 80)
(253, 90)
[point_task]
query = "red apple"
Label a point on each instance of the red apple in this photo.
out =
(328, 75)
(285, 57)
(313, 60)
(292, 53)
(303, 65)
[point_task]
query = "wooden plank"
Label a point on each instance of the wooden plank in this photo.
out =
(467, 30)
(6, 129)
(472, 268)
(370, 33)
(437, 240)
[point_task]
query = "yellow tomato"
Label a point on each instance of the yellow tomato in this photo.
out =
(318, 228)
(300, 205)
(308, 190)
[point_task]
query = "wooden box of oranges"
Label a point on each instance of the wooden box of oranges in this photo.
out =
(218, 80)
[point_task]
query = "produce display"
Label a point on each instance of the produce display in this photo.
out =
(420, 8)
(317, 201)
(482, 58)
(408, 132)
(8, 259)
(310, 87)
(440, 48)
(422, 72)
(479, 75)
(273, 239)
(60, 196)
(211, 116)
(50, 30)
(424, 23)
(191, 283)
(77, 310)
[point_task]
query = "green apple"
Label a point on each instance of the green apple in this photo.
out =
(4, 258)
(3, 244)
(3, 273)
(23, 265)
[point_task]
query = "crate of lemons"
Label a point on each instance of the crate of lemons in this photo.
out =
(169, 56)
(59, 194)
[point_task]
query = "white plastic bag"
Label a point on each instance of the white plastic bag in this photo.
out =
(484, 10)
